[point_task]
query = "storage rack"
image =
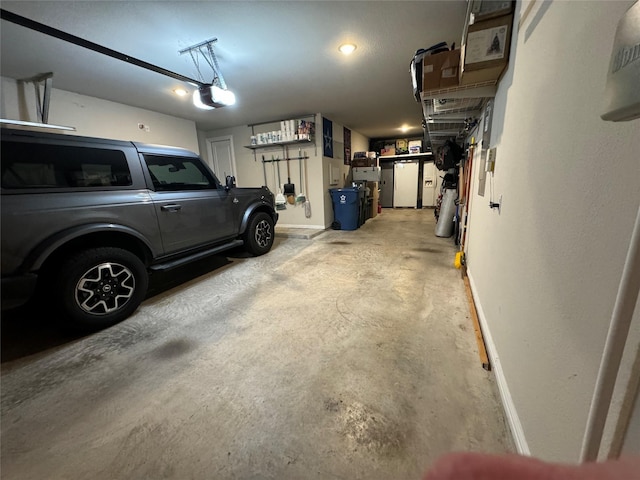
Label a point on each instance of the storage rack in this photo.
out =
(282, 145)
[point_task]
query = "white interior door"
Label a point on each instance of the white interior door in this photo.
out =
(222, 158)
(405, 181)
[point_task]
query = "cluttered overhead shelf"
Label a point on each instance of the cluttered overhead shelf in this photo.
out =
(405, 156)
(457, 83)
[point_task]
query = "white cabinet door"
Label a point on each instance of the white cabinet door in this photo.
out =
(405, 180)
(386, 188)
(429, 181)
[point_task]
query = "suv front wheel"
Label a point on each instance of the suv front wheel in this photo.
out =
(100, 287)
(260, 234)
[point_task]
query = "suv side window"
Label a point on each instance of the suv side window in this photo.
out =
(38, 165)
(171, 173)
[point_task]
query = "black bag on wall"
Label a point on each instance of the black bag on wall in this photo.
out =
(448, 155)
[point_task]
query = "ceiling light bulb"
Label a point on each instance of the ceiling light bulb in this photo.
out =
(181, 92)
(347, 48)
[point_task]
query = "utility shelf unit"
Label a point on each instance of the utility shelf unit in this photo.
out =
(405, 156)
(283, 145)
(276, 144)
(446, 109)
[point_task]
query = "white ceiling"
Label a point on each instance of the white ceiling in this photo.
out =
(280, 58)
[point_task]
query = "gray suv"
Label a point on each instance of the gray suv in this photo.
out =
(85, 220)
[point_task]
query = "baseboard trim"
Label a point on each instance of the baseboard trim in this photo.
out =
(309, 227)
(505, 395)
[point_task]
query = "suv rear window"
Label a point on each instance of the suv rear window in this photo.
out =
(37, 165)
(171, 173)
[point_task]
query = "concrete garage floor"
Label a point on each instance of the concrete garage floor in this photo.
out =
(350, 355)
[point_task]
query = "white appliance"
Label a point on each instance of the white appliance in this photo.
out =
(405, 184)
(429, 181)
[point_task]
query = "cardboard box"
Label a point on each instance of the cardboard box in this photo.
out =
(487, 43)
(364, 162)
(450, 68)
(388, 150)
(441, 70)
(486, 9)
(431, 71)
(375, 196)
(480, 76)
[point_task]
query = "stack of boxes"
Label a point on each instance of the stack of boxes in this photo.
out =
(368, 159)
(484, 54)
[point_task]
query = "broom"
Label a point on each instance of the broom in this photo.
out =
(281, 202)
(307, 204)
(300, 198)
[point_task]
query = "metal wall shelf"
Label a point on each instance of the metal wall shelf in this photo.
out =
(406, 156)
(280, 144)
(446, 110)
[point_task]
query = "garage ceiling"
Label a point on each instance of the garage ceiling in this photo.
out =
(280, 58)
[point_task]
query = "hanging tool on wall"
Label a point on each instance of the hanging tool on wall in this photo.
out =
(307, 203)
(281, 202)
(300, 198)
(289, 188)
(264, 170)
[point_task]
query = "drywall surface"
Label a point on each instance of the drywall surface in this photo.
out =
(335, 173)
(631, 444)
(94, 117)
(546, 267)
(250, 171)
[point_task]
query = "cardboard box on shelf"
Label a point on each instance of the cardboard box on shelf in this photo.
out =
(388, 150)
(431, 71)
(375, 195)
(364, 162)
(416, 145)
(487, 43)
(441, 70)
(486, 9)
(449, 69)
(480, 76)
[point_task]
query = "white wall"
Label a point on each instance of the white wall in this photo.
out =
(95, 117)
(545, 269)
(250, 172)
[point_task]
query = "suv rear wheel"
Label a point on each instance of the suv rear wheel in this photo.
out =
(260, 234)
(100, 287)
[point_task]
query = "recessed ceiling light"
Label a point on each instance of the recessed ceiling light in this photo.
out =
(347, 48)
(405, 128)
(181, 92)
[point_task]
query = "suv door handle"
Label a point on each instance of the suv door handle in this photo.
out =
(171, 207)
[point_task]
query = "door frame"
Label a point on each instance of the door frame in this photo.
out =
(211, 163)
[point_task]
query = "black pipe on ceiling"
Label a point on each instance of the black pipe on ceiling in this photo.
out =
(81, 42)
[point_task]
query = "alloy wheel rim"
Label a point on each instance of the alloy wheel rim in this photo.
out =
(105, 288)
(263, 233)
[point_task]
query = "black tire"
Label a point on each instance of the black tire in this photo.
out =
(100, 287)
(259, 236)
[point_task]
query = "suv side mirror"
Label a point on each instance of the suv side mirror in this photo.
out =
(230, 183)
